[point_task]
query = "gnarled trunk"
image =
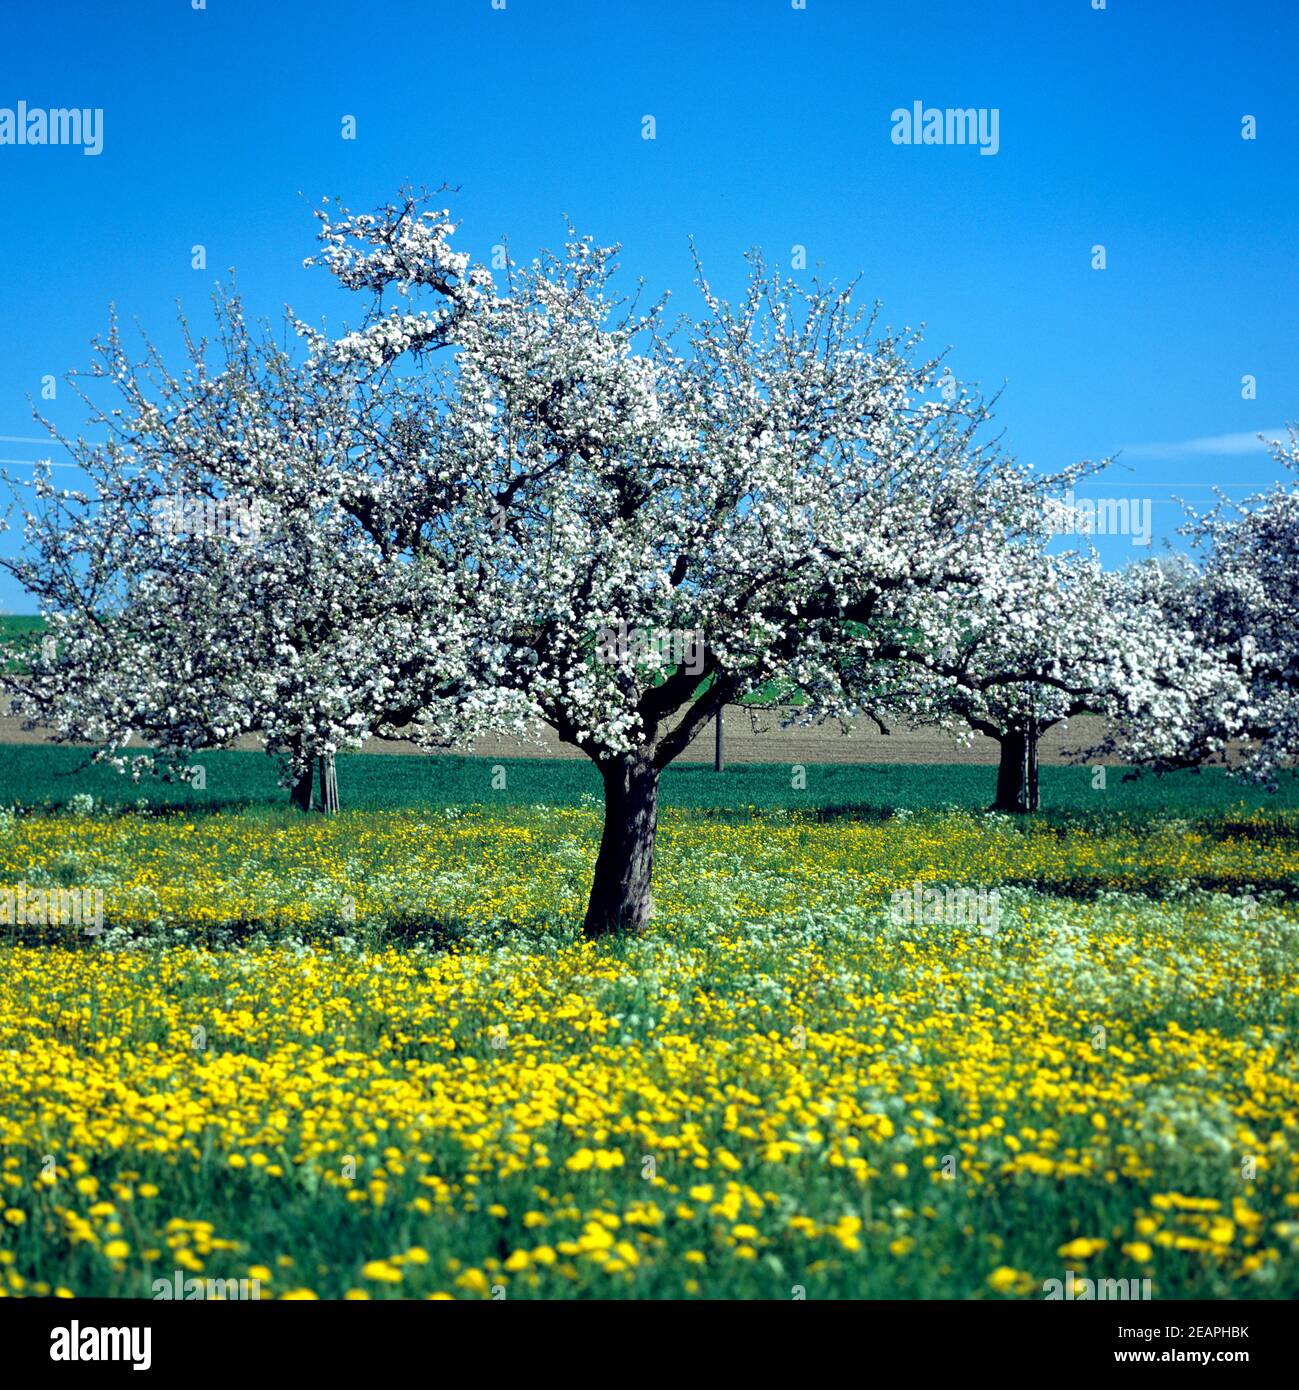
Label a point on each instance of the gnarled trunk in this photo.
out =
(624, 867)
(1012, 786)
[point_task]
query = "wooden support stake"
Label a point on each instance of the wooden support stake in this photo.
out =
(328, 784)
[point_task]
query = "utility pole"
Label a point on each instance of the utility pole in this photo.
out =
(717, 748)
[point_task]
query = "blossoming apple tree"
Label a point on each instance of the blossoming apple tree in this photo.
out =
(458, 500)
(776, 477)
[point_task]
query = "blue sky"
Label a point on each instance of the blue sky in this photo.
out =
(1119, 127)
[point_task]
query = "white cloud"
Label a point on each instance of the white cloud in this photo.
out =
(1212, 445)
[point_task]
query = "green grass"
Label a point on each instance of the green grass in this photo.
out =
(35, 775)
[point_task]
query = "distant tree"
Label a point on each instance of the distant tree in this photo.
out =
(1243, 604)
(211, 581)
(1040, 641)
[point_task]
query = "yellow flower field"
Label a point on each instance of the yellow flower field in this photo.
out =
(781, 1090)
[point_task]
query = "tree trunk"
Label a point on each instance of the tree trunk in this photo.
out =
(300, 795)
(620, 888)
(1012, 788)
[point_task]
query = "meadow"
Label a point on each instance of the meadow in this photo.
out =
(370, 1056)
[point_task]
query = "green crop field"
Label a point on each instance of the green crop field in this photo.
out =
(21, 630)
(41, 775)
